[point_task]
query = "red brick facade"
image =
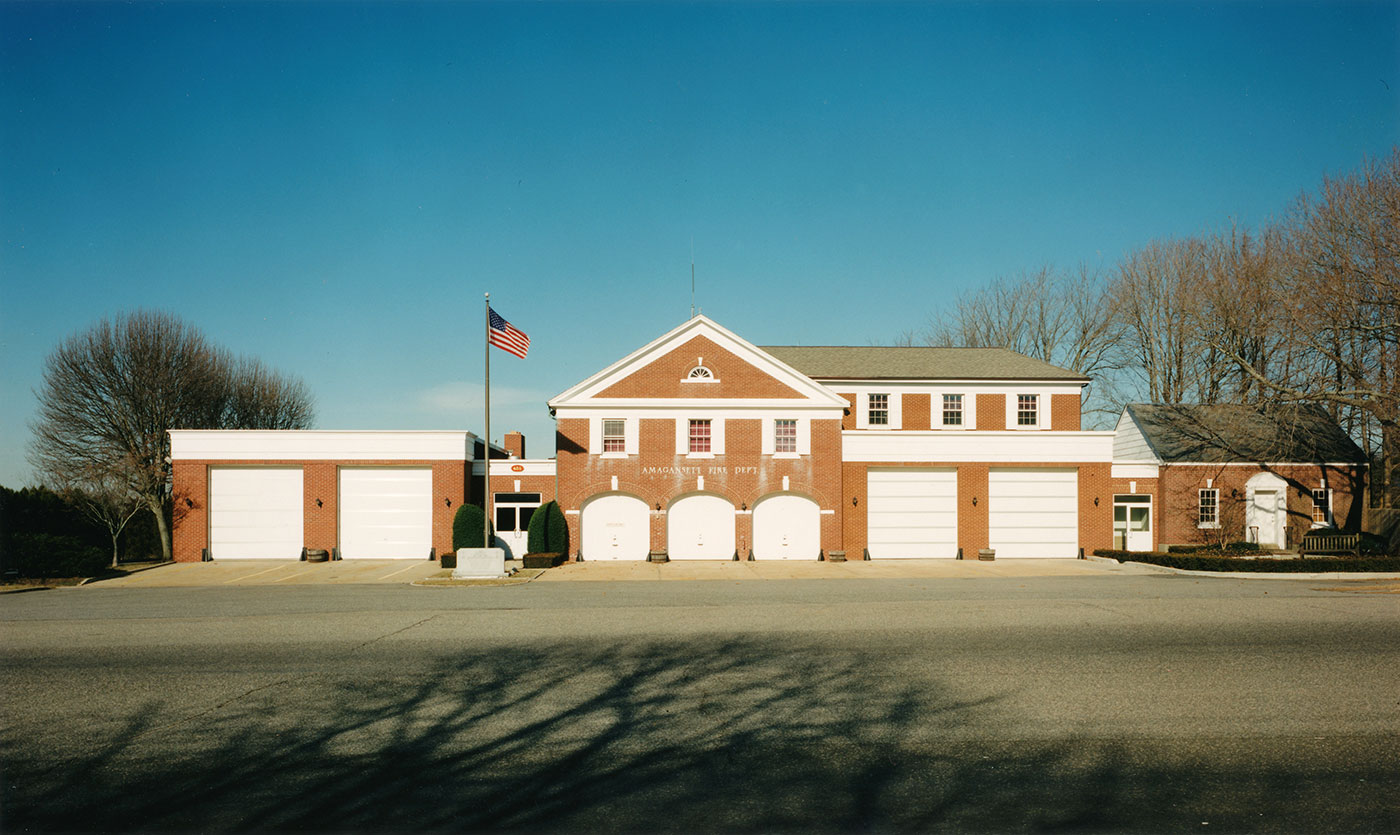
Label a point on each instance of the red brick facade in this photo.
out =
(320, 482)
(1180, 486)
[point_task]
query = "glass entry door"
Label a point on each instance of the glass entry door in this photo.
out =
(1132, 523)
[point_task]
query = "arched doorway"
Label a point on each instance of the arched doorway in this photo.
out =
(786, 526)
(615, 526)
(700, 526)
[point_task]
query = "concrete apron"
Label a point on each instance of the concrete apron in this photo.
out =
(275, 573)
(812, 570)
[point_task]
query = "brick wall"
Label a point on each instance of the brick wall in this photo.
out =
(916, 412)
(1065, 412)
(320, 480)
(1180, 485)
(848, 420)
(991, 411)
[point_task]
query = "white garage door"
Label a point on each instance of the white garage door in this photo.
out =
(912, 512)
(255, 513)
(386, 513)
(1034, 512)
(700, 527)
(786, 526)
(615, 527)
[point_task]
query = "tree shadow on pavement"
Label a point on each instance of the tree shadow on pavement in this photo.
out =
(642, 736)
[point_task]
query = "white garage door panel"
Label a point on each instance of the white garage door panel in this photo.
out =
(255, 513)
(700, 528)
(912, 512)
(786, 527)
(615, 527)
(386, 513)
(1034, 512)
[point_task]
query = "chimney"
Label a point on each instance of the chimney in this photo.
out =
(515, 445)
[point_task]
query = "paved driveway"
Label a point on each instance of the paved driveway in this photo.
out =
(276, 573)
(288, 573)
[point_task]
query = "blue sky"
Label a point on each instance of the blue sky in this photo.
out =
(333, 186)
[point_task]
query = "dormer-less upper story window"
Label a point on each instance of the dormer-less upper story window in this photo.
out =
(879, 410)
(614, 436)
(952, 410)
(1027, 409)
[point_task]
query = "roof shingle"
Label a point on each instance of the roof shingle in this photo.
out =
(837, 362)
(1228, 433)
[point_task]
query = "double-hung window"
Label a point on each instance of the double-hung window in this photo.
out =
(952, 410)
(1208, 512)
(699, 435)
(1027, 410)
(1322, 508)
(614, 435)
(785, 436)
(879, 410)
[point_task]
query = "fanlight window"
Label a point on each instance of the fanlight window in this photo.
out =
(700, 372)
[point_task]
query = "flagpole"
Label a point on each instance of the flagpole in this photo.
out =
(486, 500)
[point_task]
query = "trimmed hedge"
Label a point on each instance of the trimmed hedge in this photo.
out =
(1195, 562)
(467, 527)
(1230, 547)
(548, 532)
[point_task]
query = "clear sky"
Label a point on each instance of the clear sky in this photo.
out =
(333, 186)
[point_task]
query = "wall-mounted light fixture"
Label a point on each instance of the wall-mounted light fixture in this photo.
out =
(974, 501)
(743, 505)
(189, 502)
(854, 501)
(318, 502)
(1096, 501)
(658, 505)
(447, 500)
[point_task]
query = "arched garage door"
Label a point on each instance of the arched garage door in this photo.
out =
(700, 527)
(615, 526)
(786, 526)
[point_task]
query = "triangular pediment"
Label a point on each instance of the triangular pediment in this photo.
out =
(699, 361)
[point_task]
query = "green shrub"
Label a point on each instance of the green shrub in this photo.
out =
(548, 531)
(1241, 547)
(467, 527)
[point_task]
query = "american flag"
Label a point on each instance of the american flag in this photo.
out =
(506, 336)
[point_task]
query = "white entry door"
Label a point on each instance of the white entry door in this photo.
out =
(615, 527)
(386, 513)
(1132, 522)
(700, 527)
(1033, 512)
(255, 513)
(1263, 518)
(786, 526)
(912, 512)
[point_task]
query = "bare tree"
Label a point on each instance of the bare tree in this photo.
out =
(111, 393)
(102, 494)
(1063, 318)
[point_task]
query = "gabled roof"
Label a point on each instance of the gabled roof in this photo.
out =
(1227, 433)
(808, 393)
(836, 362)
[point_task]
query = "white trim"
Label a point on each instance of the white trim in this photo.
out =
(504, 467)
(1134, 471)
(932, 446)
(319, 445)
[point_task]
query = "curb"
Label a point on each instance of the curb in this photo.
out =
(1260, 575)
(87, 580)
